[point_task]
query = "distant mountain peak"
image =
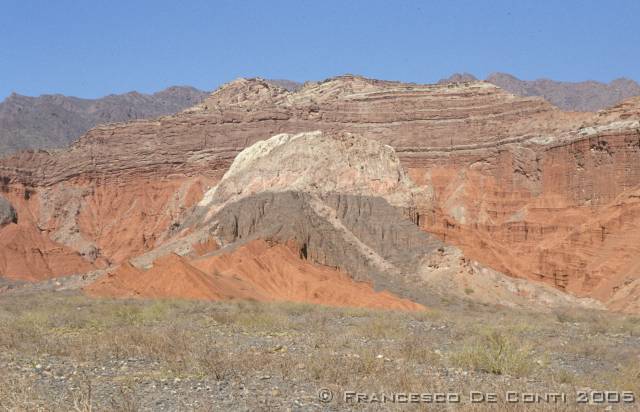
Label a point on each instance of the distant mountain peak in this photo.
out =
(55, 120)
(458, 78)
(585, 96)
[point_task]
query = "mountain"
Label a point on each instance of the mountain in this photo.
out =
(587, 96)
(458, 78)
(420, 191)
(52, 121)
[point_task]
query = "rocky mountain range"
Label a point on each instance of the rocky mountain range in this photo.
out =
(52, 121)
(587, 96)
(421, 192)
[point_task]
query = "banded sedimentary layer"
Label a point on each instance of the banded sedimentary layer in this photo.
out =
(517, 184)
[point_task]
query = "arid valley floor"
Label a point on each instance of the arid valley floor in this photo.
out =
(63, 351)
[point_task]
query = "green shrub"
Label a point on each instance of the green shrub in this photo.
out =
(494, 352)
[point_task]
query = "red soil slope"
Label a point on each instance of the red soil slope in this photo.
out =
(27, 254)
(126, 220)
(257, 271)
(74, 228)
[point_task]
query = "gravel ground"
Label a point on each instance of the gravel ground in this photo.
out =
(64, 351)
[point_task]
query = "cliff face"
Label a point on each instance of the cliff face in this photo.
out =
(343, 202)
(206, 138)
(560, 212)
(517, 184)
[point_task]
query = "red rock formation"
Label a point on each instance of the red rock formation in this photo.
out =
(569, 223)
(27, 254)
(206, 138)
(26, 250)
(256, 271)
(129, 219)
(519, 185)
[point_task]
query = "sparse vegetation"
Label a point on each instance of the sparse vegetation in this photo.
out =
(494, 352)
(68, 352)
(627, 377)
(564, 376)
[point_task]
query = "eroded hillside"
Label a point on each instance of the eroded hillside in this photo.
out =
(519, 186)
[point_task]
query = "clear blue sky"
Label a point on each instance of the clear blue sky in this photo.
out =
(93, 48)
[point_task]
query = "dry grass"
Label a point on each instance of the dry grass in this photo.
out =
(497, 353)
(598, 322)
(337, 348)
(627, 378)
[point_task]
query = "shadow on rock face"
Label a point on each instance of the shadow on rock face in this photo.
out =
(364, 236)
(7, 212)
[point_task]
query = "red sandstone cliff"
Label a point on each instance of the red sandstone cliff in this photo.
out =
(519, 185)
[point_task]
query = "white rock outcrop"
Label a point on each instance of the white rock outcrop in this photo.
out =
(316, 162)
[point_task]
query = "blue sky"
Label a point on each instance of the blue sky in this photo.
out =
(93, 48)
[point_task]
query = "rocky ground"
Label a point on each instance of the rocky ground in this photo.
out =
(60, 350)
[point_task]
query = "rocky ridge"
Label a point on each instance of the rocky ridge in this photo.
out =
(587, 96)
(510, 177)
(454, 117)
(51, 121)
(356, 225)
(306, 162)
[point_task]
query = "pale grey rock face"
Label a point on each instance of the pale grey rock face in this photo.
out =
(7, 212)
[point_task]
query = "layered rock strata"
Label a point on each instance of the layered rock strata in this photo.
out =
(348, 224)
(517, 184)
